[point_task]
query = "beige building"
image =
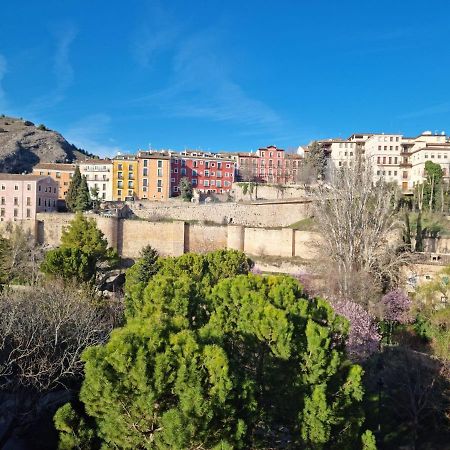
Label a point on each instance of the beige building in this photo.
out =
(394, 157)
(99, 176)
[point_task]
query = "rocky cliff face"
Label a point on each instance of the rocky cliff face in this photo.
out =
(23, 145)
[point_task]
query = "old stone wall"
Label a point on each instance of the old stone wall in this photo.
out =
(267, 192)
(178, 237)
(263, 242)
(201, 239)
(250, 215)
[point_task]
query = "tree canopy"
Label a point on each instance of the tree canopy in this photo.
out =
(214, 357)
(77, 197)
(83, 249)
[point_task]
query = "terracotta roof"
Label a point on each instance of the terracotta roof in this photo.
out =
(55, 166)
(21, 177)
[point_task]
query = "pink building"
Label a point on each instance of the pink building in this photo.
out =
(22, 196)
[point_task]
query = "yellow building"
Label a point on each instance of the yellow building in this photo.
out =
(153, 175)
(125, 178)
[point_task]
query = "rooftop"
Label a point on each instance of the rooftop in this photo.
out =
(55, 166)
(20, 177)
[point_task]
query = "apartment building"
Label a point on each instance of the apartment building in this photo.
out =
(99, 176)
(60, 172)
(22, 196)
(154, 175)
(394, 157)
(208, 172)
(269, 165)
(125, 178)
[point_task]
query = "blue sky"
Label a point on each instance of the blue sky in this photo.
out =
(225, 75)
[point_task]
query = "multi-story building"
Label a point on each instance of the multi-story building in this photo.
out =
(153, 175)
(22, 196)
(207, 172)
(393, 157)
(125, 178)
(61, 173)
(99, 177)
(269, 165)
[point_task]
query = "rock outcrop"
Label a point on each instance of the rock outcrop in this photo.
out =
(23, 145)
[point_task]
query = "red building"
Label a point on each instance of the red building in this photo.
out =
(269, 165)
(207, 172)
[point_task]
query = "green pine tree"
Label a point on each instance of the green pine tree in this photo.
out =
(186, 189)
(72, 193)
(214, 359)
(368, 441)
(407, 233)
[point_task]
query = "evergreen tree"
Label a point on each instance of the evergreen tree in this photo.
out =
(72, 193)
(83, 200)
(83, 248)
(368, 441)
(318, 158)
(419, 235)
(407, 233)
(210, 360)
(186, 189)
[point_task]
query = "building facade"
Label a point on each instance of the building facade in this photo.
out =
(22, 196)
(393, 157)
(99, 177)
(61, 173)
(207, 172)
(269, 165)
(154, 175)
(125, 178)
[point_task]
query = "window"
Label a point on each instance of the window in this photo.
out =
(219, 174)
(119, 192)
(58, 174)
(119, 167)
(206, 173)
(160, 172)
(395, 160)
(378, 159)
(3, 187)
(159, 184)
(145, 172)
(2, 212)
(130, 185)
(16, 188)
(160, 163)
(194, 182)
(120, 184)
(130, 167)
(16, 200)
(28, 213)
(28, 187)
(39, 201)
(183, 171)
(16, 212)
(28, 201)
(206, 183)
(145, 162)
(219, 183)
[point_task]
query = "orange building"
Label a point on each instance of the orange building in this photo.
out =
(154, 175)
(60, 172)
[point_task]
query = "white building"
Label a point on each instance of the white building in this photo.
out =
(395, 158)
(99, 174)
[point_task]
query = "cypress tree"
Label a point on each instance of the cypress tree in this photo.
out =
(83, 200)
(419, 238)
(72, 193)
(407, 232)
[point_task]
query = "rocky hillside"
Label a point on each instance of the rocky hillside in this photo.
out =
(23, 145)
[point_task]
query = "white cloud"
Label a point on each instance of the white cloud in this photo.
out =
(91, 134)
(202, 87)
(62, 70)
